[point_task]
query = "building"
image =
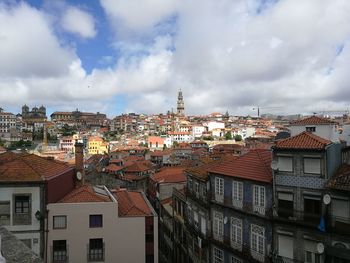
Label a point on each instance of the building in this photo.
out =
(93, 224)
(156, 142)
(241, 208)
(322, 127)
(36, 115)
(96, 145)
(80, 118)
(27, 183)
(7, 124)
(180, 104)
(303, 164)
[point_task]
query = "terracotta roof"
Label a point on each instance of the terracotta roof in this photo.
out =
(304, 140)
(113, 168)
(132, 203)
(201, 172)
(254, 165)
(169, 175)
(161, 153)
(341, 180)
(137, 167)
(313, 120)
(26, 167)
(84, 194)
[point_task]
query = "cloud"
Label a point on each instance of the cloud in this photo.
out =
(77, 21)
(134, 16)
(224, 55)
(28, 46)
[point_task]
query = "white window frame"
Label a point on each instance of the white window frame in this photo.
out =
(236, 233)
(309, 170)
(195, 219)
(237, 194)
(257, 242)
(219, 189)
(259, 199)
(284, 159)
(59, 222)
(218, 225)
(218, 255)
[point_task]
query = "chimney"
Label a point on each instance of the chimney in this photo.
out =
(79, 163)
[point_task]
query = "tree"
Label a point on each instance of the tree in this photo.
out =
(238, 138)
(228, 136)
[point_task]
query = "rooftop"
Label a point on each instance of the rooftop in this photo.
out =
(24, 167)
(313, 120)
(341, 180)
(169, 175)
(132, 203)
(304, 140)
(86, 194)
(254, 165)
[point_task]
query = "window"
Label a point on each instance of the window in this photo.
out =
(95, 220)
(311, 254)
(218, 225)
(312, 165)
(340, 210)
(190, 184)
(59, 251)
(5, 213)
(203, 225)
(259, 199)
(285, 245)
(310, 129)
(237, 194)
(285, 164)
(59, 222)
(312, 209)
(195, 219)
(236, 233)
(96, 250)
(285, 205)
(257, 241)
(218, 255)
(196, 188)
(22, 204)
(235, 260)
(219, 186)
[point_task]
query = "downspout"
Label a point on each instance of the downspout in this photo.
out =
(46, 232)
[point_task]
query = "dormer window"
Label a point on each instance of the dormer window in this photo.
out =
(311, 129)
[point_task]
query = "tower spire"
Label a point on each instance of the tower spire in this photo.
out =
(180, 104)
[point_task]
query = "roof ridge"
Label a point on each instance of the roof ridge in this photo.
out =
(262, 160)
(30, 165)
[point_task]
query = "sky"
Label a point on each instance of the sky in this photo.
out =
(120, 56)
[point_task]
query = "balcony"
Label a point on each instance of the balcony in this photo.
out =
(96, 254)
(243, 250)
(298, 217)
(59, 256)
(340, 225)
(202, 200)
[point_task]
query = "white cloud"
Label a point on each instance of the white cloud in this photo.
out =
(137, 16)
(28, 46)
(79, 22)
(224, 56)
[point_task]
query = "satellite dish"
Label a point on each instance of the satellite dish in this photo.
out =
(79, 176)
(274, 165)
(320, 248)
(326, 199)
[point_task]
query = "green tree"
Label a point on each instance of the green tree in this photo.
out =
(228, 136)
(238, 138)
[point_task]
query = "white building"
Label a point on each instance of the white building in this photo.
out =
(197, 131)
(93, 224)
(322, 127)
(215, 125)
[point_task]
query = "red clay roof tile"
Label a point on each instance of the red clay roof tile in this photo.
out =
(132, 203)
(84, 194)
(254, 165)
(304, 140)
(169, 175)
(313, 120)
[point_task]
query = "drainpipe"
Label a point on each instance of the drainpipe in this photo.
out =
(46, 233)
(2, 259)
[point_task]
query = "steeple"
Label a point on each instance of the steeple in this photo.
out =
(180, 104)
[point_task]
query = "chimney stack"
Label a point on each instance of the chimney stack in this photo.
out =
(79, 162)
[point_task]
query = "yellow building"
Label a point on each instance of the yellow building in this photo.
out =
(96, 145)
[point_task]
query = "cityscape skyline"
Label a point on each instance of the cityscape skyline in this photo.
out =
(123, 56)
